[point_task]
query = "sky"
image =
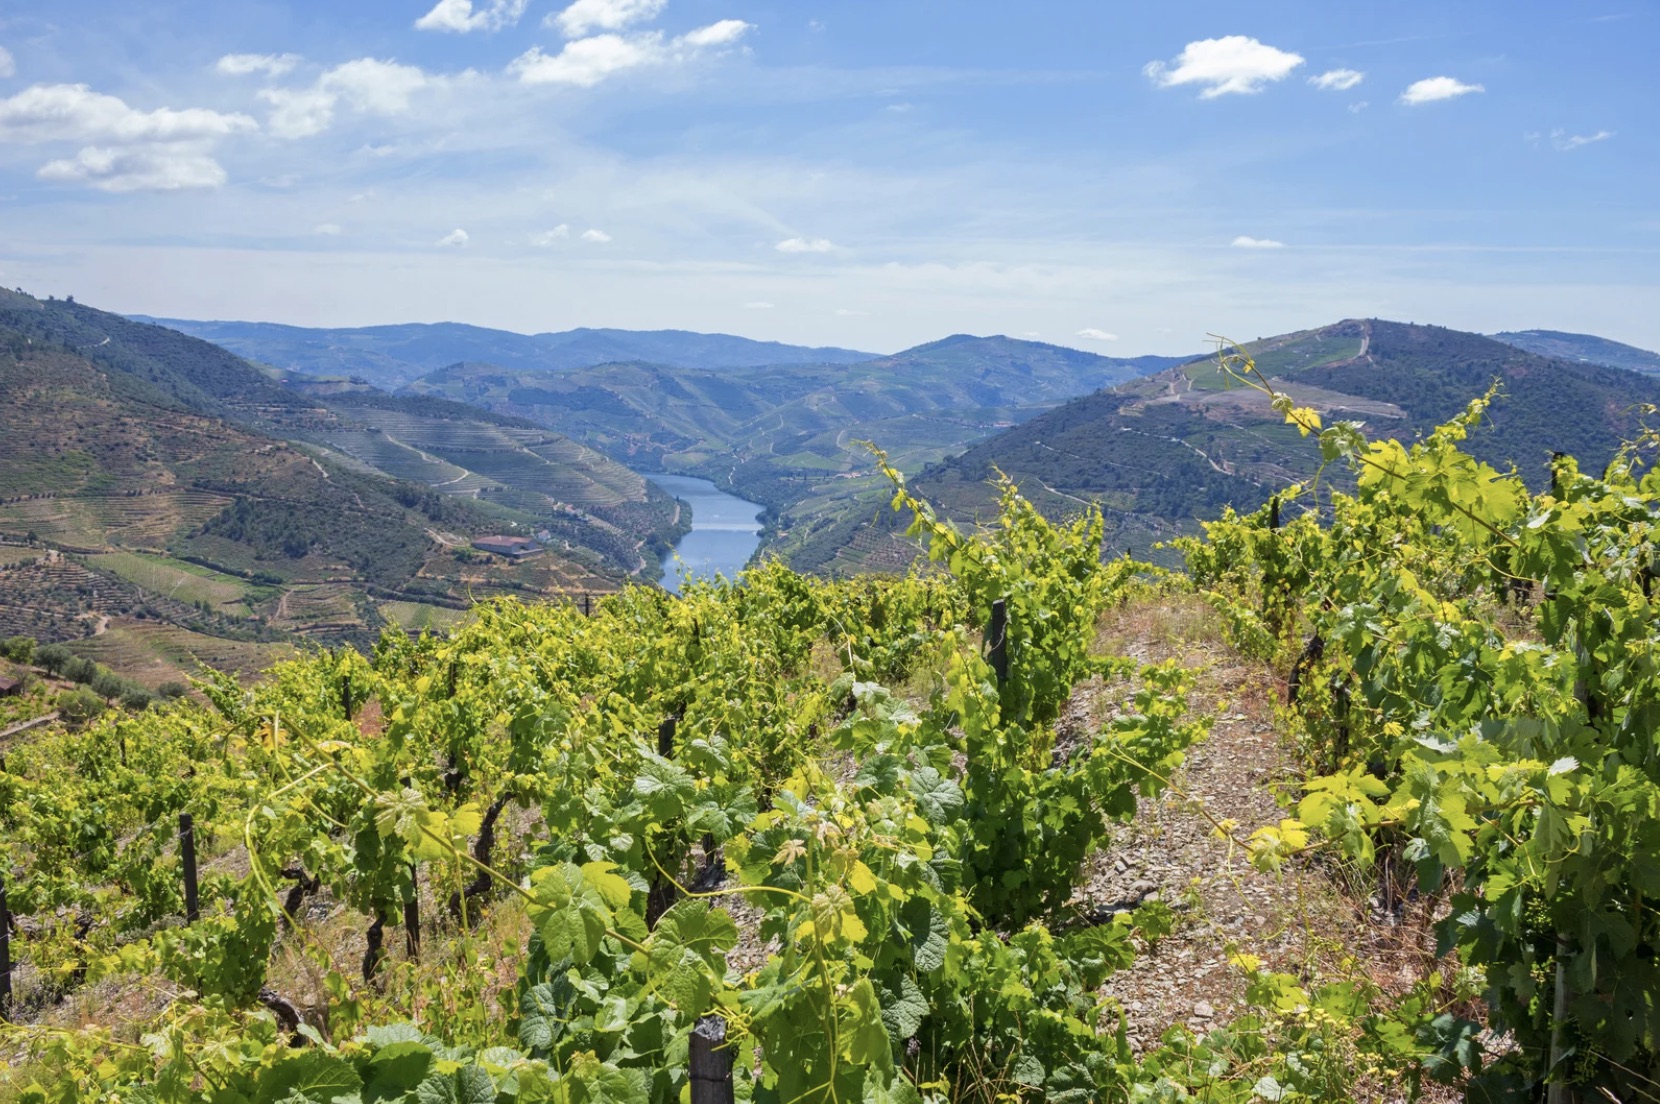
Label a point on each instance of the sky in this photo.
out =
(1120, 177)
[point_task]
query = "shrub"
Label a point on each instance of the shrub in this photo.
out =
(19, 649)
(53, 657)
(80, 705)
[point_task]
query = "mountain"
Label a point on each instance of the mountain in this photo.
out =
(166, 486)
(1160, 452)
(1585, 348)
(391, 356)
(791, 436)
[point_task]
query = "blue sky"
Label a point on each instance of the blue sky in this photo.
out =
(874, 173)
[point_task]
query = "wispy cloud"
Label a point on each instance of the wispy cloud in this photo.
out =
(1235, 64)
(1435, 89)
(456, 239)
(551, 237)
(1094, 334)
(155, 168)
(805, 245)
(1337, 80)
(8, 67)
(459, 16)
(603, 15)
(328, 229)
(1564, 141)
(1245, 241)
(598, 237)
(242, 65)
(758, 306)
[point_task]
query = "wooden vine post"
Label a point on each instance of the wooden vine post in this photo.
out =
(187, 855)
(997, 639)
(5, 954)
(711, 1063)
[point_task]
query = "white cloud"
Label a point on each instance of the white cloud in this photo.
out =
(299, 112)
(585, 62)
(125, 149)
(8, 67)
(1432, 89)
(1337, 80)
(456, 238)
(805, 245)
(1234, 64)
(242, 65)
(549, 237)
(75, 113)
(378, 87)
(603, 15)
(1358, 107)
(156, 168)
(1097, 335)
(843, 312)
(328, 229)
(458, 16)
(1247, 242)
(368, 85)
(758, 306)
(1564, 141)
(599, 237)
(723, 33)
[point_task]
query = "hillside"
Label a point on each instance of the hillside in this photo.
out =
(1583, 347)
(390, 356)
(153, 484)
(791, 437)
(1160, 452)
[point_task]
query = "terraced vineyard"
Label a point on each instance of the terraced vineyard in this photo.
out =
(899, 839)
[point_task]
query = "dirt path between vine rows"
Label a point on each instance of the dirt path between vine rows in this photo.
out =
(1302, 920)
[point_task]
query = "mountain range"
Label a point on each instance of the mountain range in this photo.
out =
(1162, 452)
(784, 426)
(390, 356)
(1586, 348)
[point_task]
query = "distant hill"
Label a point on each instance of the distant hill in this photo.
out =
(790, 436)
(171, 467)
(391, 356)
(1586, 348)
(1163, 451)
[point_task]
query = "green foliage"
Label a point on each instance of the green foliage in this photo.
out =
(1485, 711)
(825, 771)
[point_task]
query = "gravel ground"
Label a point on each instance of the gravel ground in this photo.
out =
(1303, 920)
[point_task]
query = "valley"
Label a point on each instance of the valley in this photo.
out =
(162, 494)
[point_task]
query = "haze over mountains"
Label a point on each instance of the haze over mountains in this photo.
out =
(1587, 348)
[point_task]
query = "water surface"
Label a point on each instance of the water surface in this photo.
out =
(726, 531)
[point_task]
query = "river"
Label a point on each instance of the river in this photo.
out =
(726, 531)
